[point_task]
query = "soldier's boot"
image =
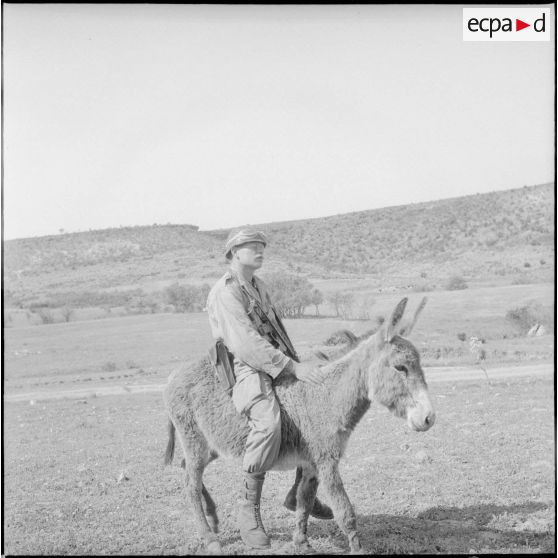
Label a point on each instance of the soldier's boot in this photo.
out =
(252, 530)
(319, 510)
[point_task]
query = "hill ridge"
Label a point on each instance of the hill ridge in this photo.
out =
(507, 233)
(269, 223)
(383, 208)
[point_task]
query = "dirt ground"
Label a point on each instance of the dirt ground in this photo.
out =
(83, 474)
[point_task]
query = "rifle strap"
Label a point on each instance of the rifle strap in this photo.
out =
(268, 326)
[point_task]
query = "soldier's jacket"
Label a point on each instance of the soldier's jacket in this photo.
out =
(228, 308)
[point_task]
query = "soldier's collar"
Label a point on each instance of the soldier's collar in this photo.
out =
(241, 280)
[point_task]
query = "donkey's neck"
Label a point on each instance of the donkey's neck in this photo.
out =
(350, 385)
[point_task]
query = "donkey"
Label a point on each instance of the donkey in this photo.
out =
(316, 422)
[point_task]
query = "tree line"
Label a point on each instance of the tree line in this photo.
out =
(291, 294)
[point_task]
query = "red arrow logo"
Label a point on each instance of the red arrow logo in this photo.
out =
(519, 25)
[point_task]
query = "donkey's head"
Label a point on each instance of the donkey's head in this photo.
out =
(396, 377)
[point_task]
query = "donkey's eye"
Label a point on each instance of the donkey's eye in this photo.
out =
(401, 368)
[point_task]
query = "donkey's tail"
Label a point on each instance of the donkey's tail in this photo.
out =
(169, 453)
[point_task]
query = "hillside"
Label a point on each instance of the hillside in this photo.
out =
(503, 230)
(507, 234)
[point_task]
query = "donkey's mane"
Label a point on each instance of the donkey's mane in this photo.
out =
(352, 342)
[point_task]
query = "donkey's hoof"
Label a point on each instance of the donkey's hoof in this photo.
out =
(214, 547)
(303, 548)
(213, 524)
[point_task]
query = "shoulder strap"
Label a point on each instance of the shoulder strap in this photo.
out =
(278, 331)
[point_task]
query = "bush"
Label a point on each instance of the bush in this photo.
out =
(523, 318)
(185, 298)
(423, 288)
(67, 313)
(521, 280)
(456, 283)
(46, 316)
(462, 336)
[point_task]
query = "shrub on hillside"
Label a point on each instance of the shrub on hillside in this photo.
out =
(522, 280)
(187, 298)
(523, 318)
(456, 283)
(423, 288)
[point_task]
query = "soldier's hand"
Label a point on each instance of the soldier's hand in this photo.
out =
(308, 373)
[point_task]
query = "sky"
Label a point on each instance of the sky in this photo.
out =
(219, 116)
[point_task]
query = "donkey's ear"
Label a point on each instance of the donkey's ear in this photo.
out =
(396, 316)
(406, 330)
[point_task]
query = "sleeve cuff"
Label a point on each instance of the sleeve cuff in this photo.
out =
(278, 363)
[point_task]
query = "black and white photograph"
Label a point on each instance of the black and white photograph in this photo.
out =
(278, 279)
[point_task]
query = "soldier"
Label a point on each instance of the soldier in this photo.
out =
(243, 318)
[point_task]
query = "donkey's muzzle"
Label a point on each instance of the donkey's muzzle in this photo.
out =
(422, 416)
(424, 424)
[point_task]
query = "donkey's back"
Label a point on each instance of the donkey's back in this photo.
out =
(208, 422)
(203, 413)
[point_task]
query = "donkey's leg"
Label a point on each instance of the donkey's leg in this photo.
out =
(209, 507)
(342, 508)
(196, 458)
(319, 511)
(305, 496)
(210, 510)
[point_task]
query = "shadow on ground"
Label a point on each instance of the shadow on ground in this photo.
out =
(483, 528)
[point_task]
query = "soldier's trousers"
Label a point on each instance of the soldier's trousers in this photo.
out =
(254, 397)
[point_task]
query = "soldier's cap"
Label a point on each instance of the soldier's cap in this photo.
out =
(238, 237)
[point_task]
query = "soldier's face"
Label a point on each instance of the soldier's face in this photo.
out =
(250, 254)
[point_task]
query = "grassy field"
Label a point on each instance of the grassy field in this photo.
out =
(86, 477)
(147, 347)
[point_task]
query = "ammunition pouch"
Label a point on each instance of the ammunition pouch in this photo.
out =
(223, 364)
